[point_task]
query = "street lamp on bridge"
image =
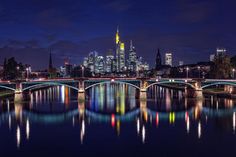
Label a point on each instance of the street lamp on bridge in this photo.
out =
(233, 72)
(187, 69)
(82, 67)
(199, 71)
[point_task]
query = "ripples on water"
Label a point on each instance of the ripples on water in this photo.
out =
(112, 119)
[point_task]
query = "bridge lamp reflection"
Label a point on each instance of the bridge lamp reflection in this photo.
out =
(234, 121)
(143, 134)
(82, 132)
(18, 136)
(233, 70)
(138, 125)
(187, 121)
(199, 130)
(9, 122)
(27, 129)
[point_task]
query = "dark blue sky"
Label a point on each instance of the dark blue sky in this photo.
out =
(190, 29)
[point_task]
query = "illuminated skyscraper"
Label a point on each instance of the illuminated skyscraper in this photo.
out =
(122, 56)
(109, 60)
(117, 50)
(120, 53)
(99, 65)
(132, 58)
(168, 59)
(212, 57)
(91, 61)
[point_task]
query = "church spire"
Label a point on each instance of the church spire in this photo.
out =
(158, 60)
(50, 67)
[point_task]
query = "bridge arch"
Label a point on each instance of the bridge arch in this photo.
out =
(107, 82)
(171, 82)
(219, 83)
(49, 84)
(6, 87)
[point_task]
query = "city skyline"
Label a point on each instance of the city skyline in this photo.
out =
(191, 30)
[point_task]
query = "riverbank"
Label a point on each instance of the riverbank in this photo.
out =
(219, 92)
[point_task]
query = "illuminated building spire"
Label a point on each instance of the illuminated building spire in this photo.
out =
(117, 36)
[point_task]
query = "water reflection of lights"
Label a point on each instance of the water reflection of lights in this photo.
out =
(138, 125)
(118, 127)
(234, 121)
(63, 94)
(27, 129)
(143, 134)
(187, 122)
(157, 119)
(18, 136)
(168, 100)
(73, 121)
(9, 122)
(172, 117)
(113, 120)
(8, 105)
(82, 133)
(199, 130)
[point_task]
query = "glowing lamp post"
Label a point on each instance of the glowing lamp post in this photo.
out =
(199, 68)
(233, 72)
(82, 67)
(187, 69)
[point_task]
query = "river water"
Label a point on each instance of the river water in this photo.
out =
(113, 122)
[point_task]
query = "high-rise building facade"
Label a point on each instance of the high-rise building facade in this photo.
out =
(132, 58)
(122, 57)
(212, 57)
(99, 65)
(109, 62)
(91, 61)
(168, 59)
(181, 63)
(120, 53)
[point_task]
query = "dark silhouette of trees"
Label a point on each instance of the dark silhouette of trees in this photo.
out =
(221, 68)
(10, 69)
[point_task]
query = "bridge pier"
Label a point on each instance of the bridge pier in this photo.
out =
(81, 92)
(18, 96)
(143, 94)
(81, 95)
(193, 93)
(198, 94)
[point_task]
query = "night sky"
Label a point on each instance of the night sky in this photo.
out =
(190, 29)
